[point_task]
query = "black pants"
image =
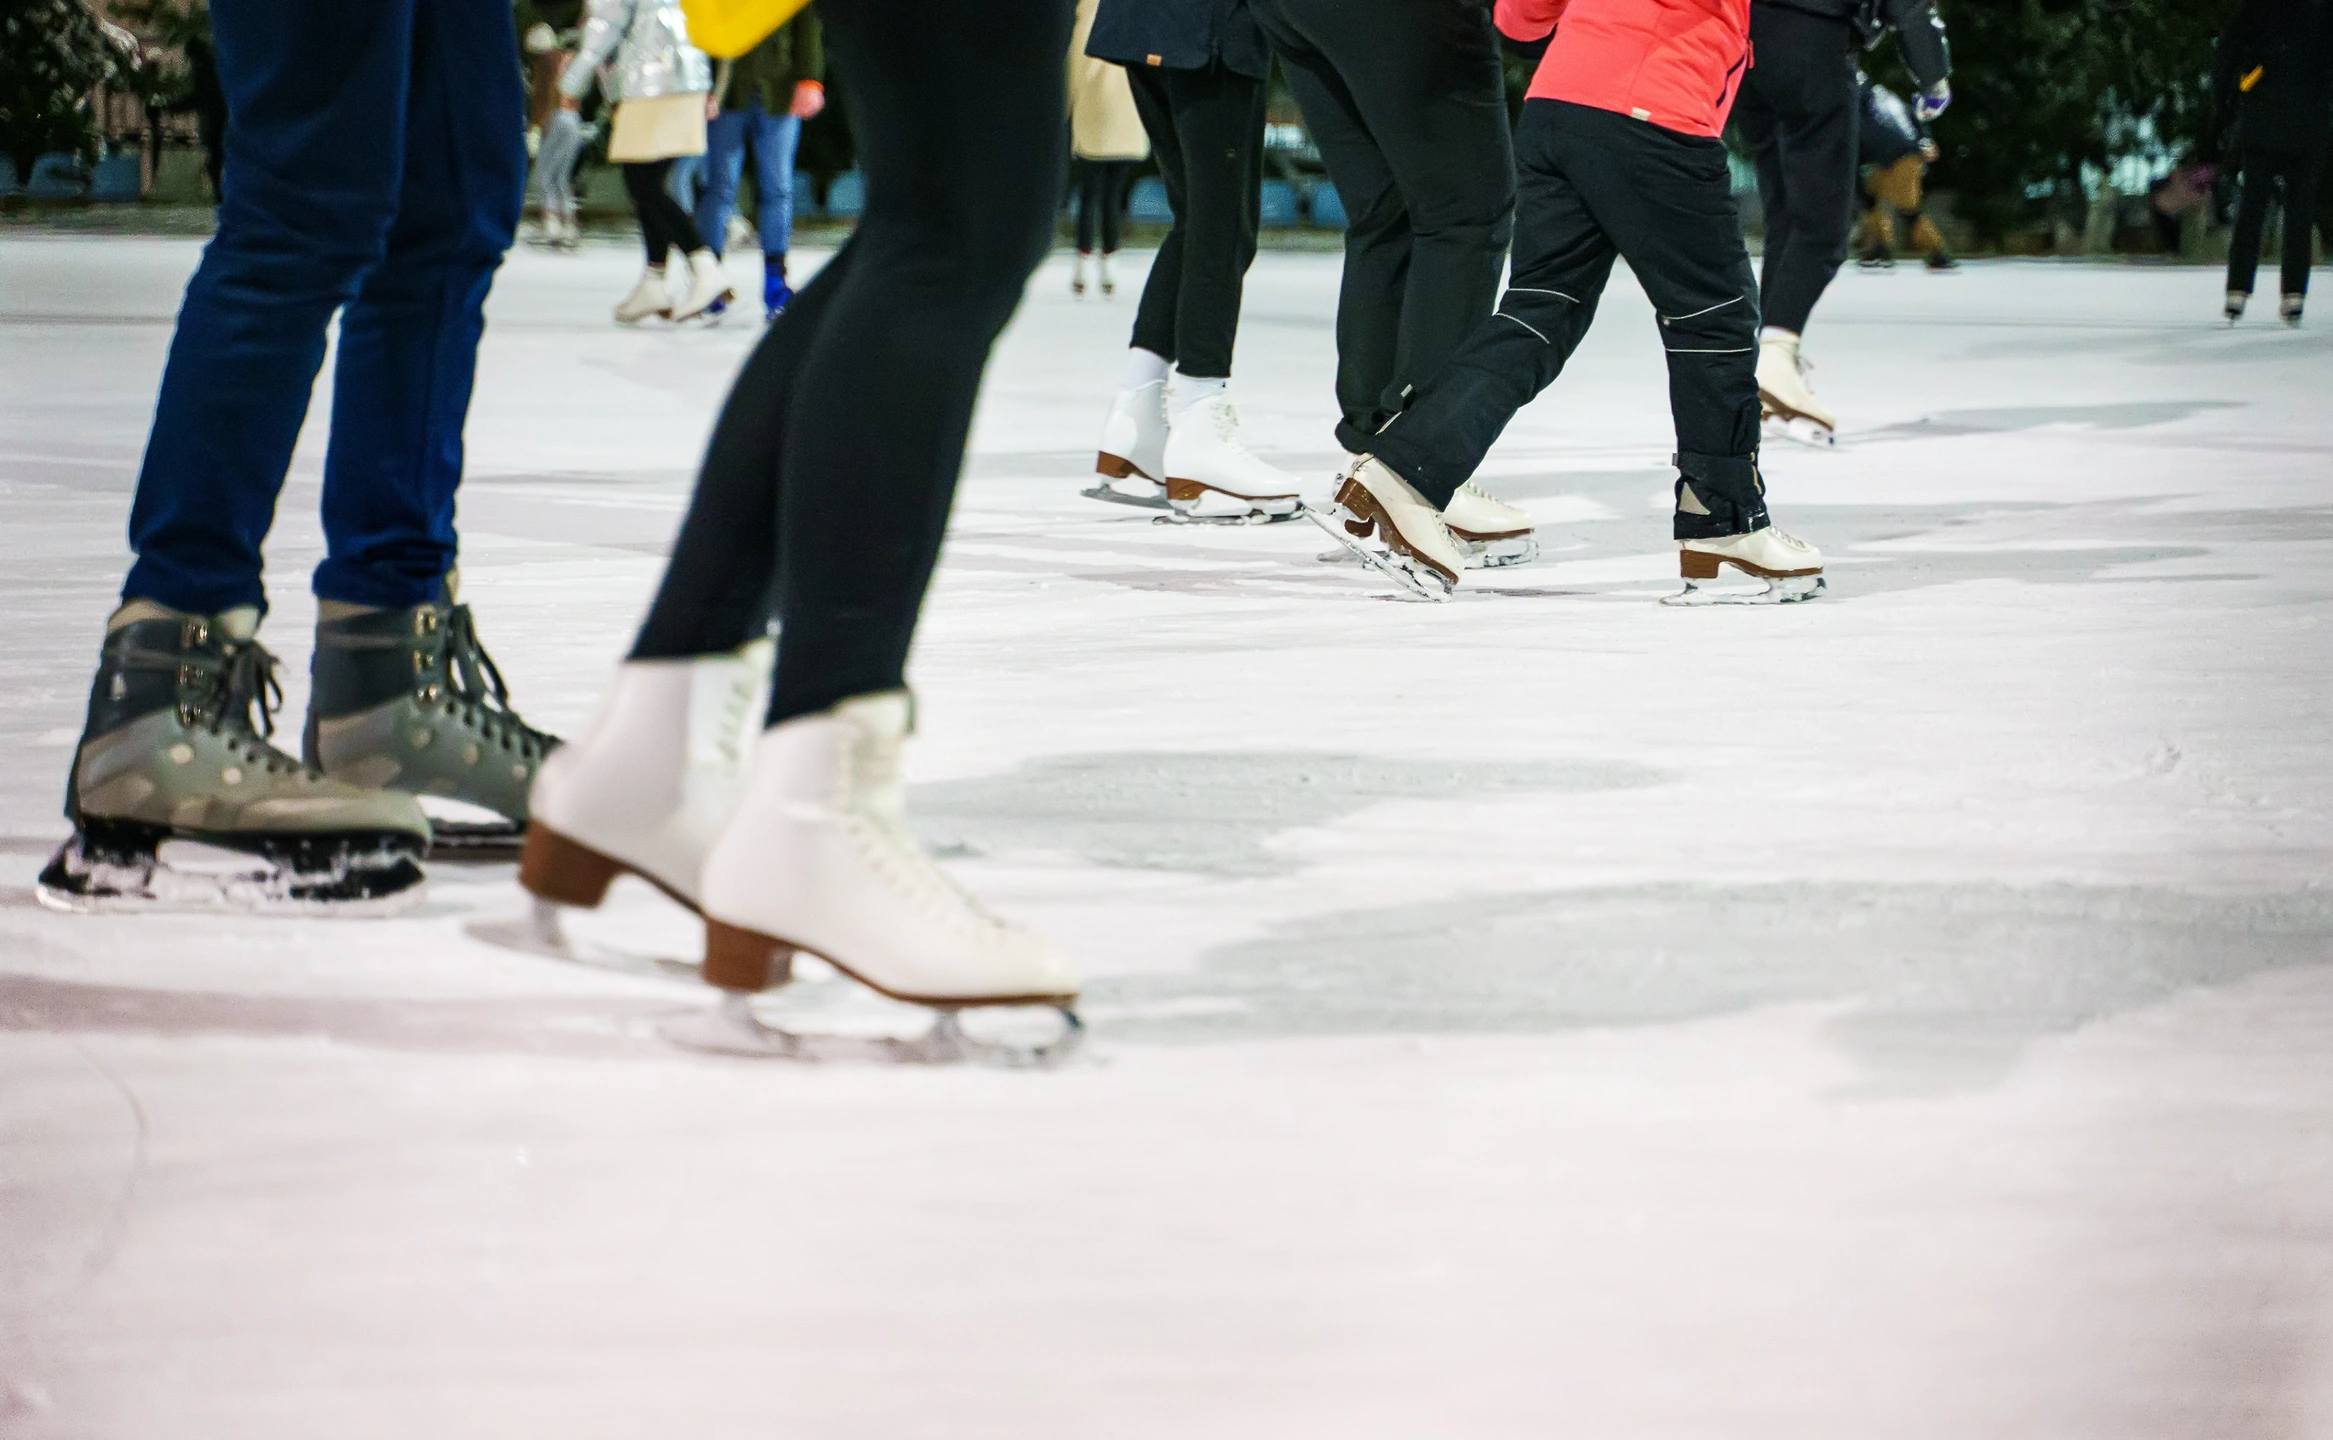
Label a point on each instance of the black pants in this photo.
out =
(1407, 104)
(1594, 186)
(1206, 131)
(1101, 203)
(835, 458)
(1798, 111)
(2264, 175)
(663, 223)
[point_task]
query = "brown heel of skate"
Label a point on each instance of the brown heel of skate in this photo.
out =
(1115, 467)
(1697, 564)
(743, 960)
(1355, 499)
(1184, 491)
(557, 869)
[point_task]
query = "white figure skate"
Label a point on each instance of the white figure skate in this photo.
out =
(643, 792)
(1212, 476)
(708, 285)
(1786, 398)
(1419, 555)
(650, 297)
(1490, 533)
(1791, 568)
(819, 859)
(1132, 459)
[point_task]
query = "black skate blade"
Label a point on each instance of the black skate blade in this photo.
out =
(1119, 497)
(1331, 518)
(475, 842)
(732, 1028)
(118, 866)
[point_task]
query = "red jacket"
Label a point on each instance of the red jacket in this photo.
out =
(1675, 63)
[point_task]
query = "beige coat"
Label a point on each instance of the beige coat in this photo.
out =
(1103, 124)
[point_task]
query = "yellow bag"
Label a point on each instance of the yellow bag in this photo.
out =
(726, 29)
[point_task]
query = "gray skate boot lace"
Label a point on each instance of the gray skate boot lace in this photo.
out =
(474, 692)
(221, 690)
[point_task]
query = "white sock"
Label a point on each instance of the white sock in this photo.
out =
(1773, 333)
(1185, 391)
(1144, 368)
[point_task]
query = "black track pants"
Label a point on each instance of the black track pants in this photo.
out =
(664, 225)
(1798, 111)
(1206, 131)
(835, 458)
(2264, 175)
(1594, 186)
(1406, 102)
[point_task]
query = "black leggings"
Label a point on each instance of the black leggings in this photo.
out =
(1206, 129)
(1798, 111)
(827, 484)
(1101, 202)
(663, 223)
(2264, 175)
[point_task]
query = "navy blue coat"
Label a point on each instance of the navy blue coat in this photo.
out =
(1179, 35)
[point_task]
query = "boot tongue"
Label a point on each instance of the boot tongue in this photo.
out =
(238, 624)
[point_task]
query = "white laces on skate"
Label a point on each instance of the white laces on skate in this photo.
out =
(885, 840)
(1226, 419)
(1788, 541)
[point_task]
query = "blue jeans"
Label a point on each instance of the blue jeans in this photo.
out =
(376, 164)
(773, 138)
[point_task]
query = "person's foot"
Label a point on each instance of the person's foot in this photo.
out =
(1791, 568)
(1077, 271)
(1490, 533)
(776, 294)
(409, 700)
(177, 747)
(1374, 500)
(1783, 390)
(2289, 309)
(648, 786)
(1109, 281)
(651, 296)
(819, 858)
(2234, 308)
(1212, 474)
(1941, 260)
(708, 285)
(1132, 456)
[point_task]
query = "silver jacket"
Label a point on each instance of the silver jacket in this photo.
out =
(650, 42)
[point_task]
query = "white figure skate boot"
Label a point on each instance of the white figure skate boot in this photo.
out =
(2234, 308)
(649, 297)
(1783, 391)
(1109, 281)
(2290, 307)
(1419, 553)
(1490, 533)
(1132, 457)
(1791, 568)
(647, 787)
(1077, 274)
(1212, 475)
(708, 285)
(819, 858)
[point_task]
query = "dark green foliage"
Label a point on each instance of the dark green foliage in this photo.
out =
(2043, 87)
(52, 53)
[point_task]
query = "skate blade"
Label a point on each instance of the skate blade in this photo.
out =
(1786, 590)
(474, 842)
(732, 1028)
(1253, 517)
(1420, 583)
(1497, 554)
(192, 877)
(1120, 497)
(543, 932)
(1799, 430)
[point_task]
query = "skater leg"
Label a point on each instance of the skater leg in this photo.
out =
(408, 350)
(1218, 117)
(2300, 203)
(317, 99)
(948, 241)
(1808, 69)
(1154, 315)
(725, 142)
(1562, 260)
(2258, 186)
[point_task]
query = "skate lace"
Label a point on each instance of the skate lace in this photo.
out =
(1227, 428)
(234, 695)
(891, 847)
(1787, 540)
(475, 691)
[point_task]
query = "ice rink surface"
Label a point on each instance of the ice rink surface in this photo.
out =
(1906, 1015)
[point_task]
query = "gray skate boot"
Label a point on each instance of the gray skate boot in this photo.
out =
(409, 700)
(176, 749)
